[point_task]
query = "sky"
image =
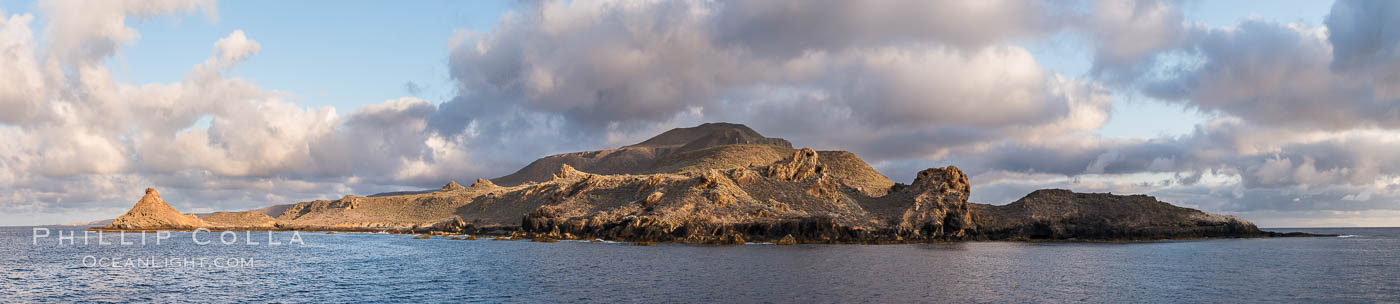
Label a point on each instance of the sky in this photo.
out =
(1286, 113)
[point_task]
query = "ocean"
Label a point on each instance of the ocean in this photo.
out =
(1362, 266)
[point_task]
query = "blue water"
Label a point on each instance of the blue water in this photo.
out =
(1363, 267)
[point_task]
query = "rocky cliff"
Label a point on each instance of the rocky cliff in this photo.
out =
(724, 183)
(794, 198)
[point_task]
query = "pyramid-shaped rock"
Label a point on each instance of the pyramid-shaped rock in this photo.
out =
(151, 212)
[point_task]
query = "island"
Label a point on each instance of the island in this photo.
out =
(719, 183)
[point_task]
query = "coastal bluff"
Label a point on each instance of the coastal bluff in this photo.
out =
(724, 184)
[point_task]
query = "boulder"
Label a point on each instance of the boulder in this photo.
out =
(787, 240)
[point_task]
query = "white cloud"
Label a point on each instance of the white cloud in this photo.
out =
(23, 77)
(1127, 31)
(883, 79)
(85, 32)
(76, 140)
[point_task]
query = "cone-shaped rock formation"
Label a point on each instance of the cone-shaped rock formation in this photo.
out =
(151, 212)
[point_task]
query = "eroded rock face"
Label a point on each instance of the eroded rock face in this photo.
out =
(567, 171)
(939, 209)
(947, 179)
(152, 213)
(801, 165)
(792, 201)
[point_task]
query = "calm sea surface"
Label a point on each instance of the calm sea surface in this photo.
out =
(1363, 267)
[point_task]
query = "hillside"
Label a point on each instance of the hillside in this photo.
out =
(246, 219)
(659, 154)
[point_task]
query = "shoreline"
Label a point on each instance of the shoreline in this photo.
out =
(501, 233)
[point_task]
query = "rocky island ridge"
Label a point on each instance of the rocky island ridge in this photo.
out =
(719, 183)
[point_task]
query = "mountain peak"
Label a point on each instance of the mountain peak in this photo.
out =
(710, 145)
(709, 135)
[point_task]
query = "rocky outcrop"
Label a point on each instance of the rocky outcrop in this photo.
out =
(566, 171)
(152, 213)
(787, 240)
(483, 184)
(454, 225)
(453, 186)
(939, 206)
(801, 165)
